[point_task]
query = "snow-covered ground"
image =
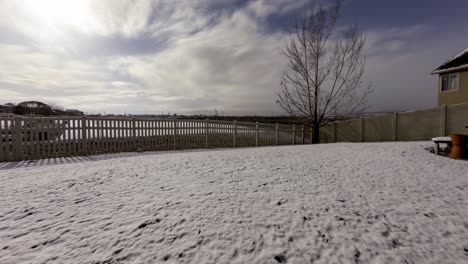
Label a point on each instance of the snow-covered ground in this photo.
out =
(336, 203)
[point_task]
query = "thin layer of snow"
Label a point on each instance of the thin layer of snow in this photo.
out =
(336, 203)
(459, 54)
(441, 139)
(447, 62)
(67, 160)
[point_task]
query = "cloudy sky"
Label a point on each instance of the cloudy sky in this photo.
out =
(194, 56)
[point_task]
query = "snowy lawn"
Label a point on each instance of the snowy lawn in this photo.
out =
(337, 203)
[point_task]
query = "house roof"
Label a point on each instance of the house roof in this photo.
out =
(459, 62)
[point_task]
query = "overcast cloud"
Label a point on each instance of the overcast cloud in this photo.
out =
(153, 56)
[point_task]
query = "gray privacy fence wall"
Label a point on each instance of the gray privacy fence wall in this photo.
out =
(404, 126)
(40, 138)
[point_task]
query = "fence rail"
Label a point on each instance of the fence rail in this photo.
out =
(31, 138)
(405, 126)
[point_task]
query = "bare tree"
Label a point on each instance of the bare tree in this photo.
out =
(323, 81)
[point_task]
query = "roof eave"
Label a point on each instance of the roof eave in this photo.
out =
(453, 69)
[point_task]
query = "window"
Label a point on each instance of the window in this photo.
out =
(449, 82)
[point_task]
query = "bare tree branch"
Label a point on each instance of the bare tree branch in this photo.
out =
(323, 81)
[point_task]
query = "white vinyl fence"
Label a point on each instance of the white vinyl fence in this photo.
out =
(34, 138)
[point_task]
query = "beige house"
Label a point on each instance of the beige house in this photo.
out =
(453, 80)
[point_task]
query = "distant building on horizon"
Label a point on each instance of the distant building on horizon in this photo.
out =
(36, 108)
(7, 108)
(453, 80)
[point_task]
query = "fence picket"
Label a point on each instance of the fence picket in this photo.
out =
(37, 138)
(3, 136)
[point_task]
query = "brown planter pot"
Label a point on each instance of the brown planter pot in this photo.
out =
(459, 146)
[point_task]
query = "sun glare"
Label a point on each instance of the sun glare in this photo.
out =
(55, 15)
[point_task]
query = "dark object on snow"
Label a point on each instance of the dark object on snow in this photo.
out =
(442, 140)
(459, 146)
(280, 258)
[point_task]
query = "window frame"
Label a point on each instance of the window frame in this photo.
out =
(457, 85)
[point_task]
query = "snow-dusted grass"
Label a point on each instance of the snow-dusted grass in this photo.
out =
(337, 203)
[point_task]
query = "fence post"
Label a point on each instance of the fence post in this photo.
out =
(256, 134)
(18, 140)
(294, 134)
(206, 133)
(363, 129)
(443, 120)
(303, 136)
(84, 137)
(395, 126)
(235, 134)
(277, 134)
(134, 143)
(175, 133)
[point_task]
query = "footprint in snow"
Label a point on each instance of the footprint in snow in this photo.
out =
(146, 223)
(282, 201)
(280, 258)
(430, 215)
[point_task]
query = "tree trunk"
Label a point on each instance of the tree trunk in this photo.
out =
(316, 134)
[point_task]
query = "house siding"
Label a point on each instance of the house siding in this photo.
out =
(455, 97)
